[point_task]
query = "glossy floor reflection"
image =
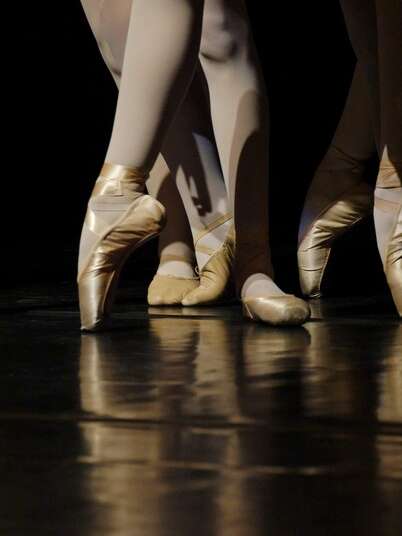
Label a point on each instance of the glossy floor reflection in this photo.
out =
(192, 422)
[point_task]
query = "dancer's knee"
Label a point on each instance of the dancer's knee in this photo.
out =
(224, 31)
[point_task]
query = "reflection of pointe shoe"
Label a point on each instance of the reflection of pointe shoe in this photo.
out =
(285, 310)
(119, 219)
(170, 289)
(216, 281)
(315, 246)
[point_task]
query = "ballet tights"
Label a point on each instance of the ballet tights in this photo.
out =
(344, 163)
(191, 155)
(240, 120)
(375, 32)
(159, 63)
(239, 109)
(195, 170)
(356, 116)
(176, 252)
(388, 193)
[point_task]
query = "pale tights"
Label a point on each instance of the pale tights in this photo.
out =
(166, 33)
(189, 150)
(239, 111)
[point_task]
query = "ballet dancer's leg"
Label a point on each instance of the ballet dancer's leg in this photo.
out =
(175, 276)
(360, 19)
(240, 119)
(159, 62)
(201, 186)
(338, 196)
(375, 32)
(388, 193)
(190, 152)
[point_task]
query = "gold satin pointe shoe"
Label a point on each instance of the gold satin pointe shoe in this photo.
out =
(389, 177)
(170, 289)
(216, 277)
(393, 269)
(119, 219)
(286, 310)
(315, 246)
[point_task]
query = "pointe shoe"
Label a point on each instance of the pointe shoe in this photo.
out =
(286, 310)
(169, 289)
(119, 219)
(389, 177)
(315, 247)
(216, 277)
(393, 266)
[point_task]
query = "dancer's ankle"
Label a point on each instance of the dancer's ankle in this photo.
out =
(260, 285)
(117, 179)
(177, 268)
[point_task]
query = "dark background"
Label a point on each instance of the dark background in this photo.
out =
(58, 114)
